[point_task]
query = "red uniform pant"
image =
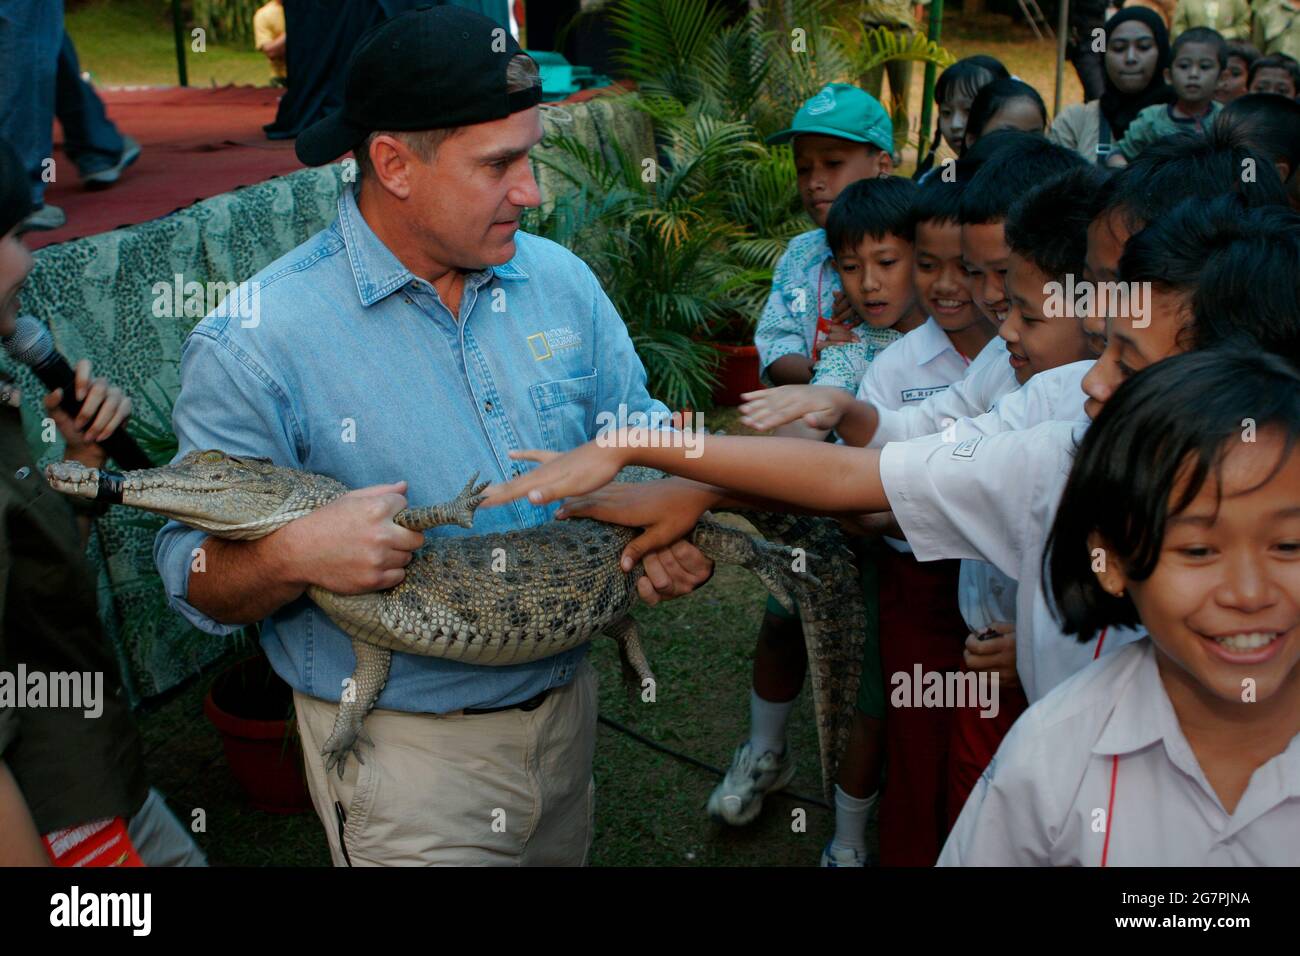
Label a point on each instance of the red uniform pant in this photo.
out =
(919, 624)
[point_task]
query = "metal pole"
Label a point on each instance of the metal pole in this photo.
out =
(1062, 29)
(179, 29)
(927, 88)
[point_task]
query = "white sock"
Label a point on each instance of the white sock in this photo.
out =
(767, 720)
(851, 820)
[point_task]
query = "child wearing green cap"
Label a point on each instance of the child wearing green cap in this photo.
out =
(840, 135)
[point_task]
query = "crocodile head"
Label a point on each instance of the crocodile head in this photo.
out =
(229, 496)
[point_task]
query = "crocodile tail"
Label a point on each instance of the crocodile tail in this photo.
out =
(833, 614)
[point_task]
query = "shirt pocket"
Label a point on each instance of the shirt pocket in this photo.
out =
(565, 410)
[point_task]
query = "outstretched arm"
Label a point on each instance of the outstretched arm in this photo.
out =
(813, 475)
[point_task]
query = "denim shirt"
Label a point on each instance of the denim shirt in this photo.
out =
(336, 359)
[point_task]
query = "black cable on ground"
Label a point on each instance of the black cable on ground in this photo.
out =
(688, 759)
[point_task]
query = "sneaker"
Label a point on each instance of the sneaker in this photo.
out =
(45, 217)
(111, 172)
(738, 799)
(834, 855)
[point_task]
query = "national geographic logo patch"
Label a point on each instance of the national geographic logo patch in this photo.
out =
(545, 344)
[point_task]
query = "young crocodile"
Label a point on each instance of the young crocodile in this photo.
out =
(491, 599)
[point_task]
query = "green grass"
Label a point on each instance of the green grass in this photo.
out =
(130, 42)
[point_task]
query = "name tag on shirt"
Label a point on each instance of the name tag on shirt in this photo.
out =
(921, 394)
(967, 448)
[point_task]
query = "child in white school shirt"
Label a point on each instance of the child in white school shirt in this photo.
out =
(1182, 749)
(918, 622)
(870, 229)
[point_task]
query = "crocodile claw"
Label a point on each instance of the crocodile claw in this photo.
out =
(461, 508)
(343, 742)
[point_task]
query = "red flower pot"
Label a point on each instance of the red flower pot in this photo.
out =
(738, 373)
(249, 705)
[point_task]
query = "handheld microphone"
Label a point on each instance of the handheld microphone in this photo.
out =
(33, 346)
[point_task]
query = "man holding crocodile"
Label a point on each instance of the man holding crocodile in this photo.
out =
(421, 336)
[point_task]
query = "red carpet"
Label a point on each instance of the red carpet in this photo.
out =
(198, 142)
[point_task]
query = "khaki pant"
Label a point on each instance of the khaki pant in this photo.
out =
(512, 788)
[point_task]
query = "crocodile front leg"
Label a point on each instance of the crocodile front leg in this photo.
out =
(368, 680)
(460, 510)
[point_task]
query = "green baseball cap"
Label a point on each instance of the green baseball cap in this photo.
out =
(843, 110)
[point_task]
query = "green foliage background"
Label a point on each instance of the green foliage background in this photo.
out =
(685, 242)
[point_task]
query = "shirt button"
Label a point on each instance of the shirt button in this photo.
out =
(487, 406)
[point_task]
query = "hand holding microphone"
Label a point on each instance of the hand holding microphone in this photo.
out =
(89, 412)
(103, 408)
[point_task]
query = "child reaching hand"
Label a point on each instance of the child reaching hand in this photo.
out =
(1182, 749)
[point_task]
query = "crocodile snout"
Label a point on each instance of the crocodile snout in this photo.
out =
(73, 478)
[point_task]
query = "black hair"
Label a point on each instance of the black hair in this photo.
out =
(937, 200)
(1049, 224)
(1177, 417)
(1189, 165)
(1014, 161)
(871, 207)
(15, 189)
(1243, 51)
(1269, 123)
(1241, 267)
(997, 95)
(966, 77)
(1211, 38)
(1275, 61)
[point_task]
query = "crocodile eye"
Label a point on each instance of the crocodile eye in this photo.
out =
(212, 456)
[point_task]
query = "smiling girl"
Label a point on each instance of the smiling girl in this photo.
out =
(1182, 515)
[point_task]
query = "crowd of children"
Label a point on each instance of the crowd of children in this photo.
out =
(1053, 392)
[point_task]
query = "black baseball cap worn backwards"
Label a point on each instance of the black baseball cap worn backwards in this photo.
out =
(428, 68)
